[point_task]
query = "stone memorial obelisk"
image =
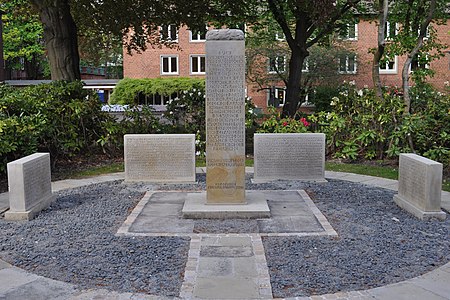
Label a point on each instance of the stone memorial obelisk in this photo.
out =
(225, 117)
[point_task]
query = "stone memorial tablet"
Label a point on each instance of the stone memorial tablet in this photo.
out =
(419, 186)
(30, 188)
(289, 156)
(159, 157)
(225, 117)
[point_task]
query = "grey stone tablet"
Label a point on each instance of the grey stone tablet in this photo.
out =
(420, 186)
(289, 156)
(225, 117)
(30, 188)
(159, 157)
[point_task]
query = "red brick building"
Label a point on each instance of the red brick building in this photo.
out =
(188, 60)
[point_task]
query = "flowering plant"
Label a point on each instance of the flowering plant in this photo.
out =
(276, 124)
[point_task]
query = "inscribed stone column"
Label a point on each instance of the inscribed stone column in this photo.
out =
(225, 117)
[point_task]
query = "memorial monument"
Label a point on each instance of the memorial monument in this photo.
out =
(225, 117)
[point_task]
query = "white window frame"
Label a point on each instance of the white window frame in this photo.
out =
(388, 30)
(390, 71)
(197, 39)
(346, 64)
(277, 63)
(305, 67)
(191, 63)
(279, 36)
(278, 89)
(427, 66)
(169, 57)
(347, 37)
(169, 37)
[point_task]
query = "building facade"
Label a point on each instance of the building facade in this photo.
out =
(186, 58)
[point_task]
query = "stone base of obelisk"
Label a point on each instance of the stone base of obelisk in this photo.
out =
(195, 207)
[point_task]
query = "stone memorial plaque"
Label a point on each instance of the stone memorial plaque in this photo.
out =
(159, 157)
(419, 186)
(225, 117)
(30, 189)
(289, 156)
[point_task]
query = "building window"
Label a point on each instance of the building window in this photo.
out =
(279, 36)
(276, 96)
(196, 36)
(155, 99)
(390, 30)
(347, 64)
(198, 64)
(419, 62)
(169, 33)
(305, 67)
(349, 32)
(388, 66)
(277, 64)
(169, 65)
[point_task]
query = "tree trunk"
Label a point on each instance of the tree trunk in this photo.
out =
(60, 36)
(383, 12)
(294, 84)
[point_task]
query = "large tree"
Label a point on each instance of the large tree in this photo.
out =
(304, 24)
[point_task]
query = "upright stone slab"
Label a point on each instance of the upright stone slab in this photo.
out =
(159, 157)
(30, 187)
(225, 117)
(420, 186)
(289, 156)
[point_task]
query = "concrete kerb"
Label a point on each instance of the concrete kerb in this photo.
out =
(430, 285)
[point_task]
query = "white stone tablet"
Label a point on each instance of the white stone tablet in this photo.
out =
(420, 186)
(159, 157)
(30, 188)
(289, 156)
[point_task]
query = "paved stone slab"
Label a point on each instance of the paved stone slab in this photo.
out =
(436, 281)
(16, 278)
(226, 288)
(226, 251)
(306, 223)
(403, 291)
(40, 289)
(154, 224)
(236, 241)
(214, 266)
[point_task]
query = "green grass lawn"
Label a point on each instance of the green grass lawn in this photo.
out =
(363, 169)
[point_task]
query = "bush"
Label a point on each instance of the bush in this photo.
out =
(276, 124)
(127, 90)
(362, 126)
(60, 118)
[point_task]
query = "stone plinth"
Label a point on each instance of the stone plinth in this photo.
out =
(419, 187)
(225, 117)
(159, 157)
(256, 207)
(289, 156)
(30, 188)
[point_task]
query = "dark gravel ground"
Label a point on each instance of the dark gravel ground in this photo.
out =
(74, 241)
(378, 243)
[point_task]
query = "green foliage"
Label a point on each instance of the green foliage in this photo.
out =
(127, 89)
(321, 98)
(360, 125)
(22, 36)
(276, 124)
(61, 118)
